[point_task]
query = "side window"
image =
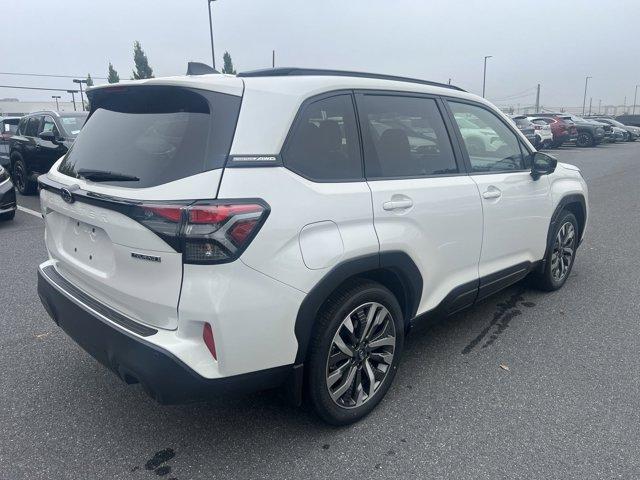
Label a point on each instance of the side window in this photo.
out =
(49, 125)
(22, 126)
(404, 137)
(324, 141)
(33, 126)
(491, 145)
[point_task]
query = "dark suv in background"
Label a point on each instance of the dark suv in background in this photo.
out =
(41, 139)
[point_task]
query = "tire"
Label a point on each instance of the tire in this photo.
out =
(337, 380)
(585, 139)
(555, 274)
(20, 178)
(5, 217)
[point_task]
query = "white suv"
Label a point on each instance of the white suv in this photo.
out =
(287, 227)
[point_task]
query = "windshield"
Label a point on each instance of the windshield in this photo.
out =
(72, 124)
(146, 136)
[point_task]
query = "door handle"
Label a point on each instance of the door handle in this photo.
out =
(398, 204)
(492, 192)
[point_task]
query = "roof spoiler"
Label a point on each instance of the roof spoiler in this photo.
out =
(197, 68)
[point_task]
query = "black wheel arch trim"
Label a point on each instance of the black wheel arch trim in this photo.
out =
(575, 198)
(397, 262)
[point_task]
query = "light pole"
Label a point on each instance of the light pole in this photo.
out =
(80, 82)
(56, 98)
(634, 100)
(584, 100)
(484, 75)
(213, 56)
(73, 98)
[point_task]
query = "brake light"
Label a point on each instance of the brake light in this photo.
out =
(207, 336)
(205, 233)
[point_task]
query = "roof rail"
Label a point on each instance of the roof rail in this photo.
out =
(293, 71)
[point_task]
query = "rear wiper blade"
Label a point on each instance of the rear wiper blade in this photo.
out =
(105, 176)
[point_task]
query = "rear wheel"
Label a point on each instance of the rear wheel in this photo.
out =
(561, 254)
(21, 178)
(354, 351)
(585, 139)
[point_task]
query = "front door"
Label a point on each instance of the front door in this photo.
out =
(517, 209)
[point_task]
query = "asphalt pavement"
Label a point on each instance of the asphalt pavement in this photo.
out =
(565, 403)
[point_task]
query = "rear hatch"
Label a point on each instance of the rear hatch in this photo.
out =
(113, 206)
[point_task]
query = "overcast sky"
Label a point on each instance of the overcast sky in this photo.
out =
(552, 42)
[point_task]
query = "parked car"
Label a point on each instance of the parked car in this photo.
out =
(543, 133)
(629, 119)
(632, 132)
(7, 196)
(203, 253)
(527, 128)
(589, 134)
(8, 127)
(563, 129)
(41, 139)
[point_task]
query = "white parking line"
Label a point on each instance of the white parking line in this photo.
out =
(29, 211)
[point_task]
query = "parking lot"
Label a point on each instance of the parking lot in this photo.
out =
(525, 385)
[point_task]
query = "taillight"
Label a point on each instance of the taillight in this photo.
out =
(205, 233)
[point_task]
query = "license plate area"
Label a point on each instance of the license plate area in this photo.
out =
(87, 245)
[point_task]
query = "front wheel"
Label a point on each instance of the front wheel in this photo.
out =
(561, 254)
(21, 178)
(354, 351)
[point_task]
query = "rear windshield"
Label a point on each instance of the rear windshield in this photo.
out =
(141, 137)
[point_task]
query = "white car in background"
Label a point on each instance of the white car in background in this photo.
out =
(544, 136)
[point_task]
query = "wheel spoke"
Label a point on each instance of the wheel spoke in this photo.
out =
(337, 374)
(338, 342)
(345, 385)
(382, 357)
(387, 341)
(371, 376)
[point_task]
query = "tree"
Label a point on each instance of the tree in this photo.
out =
(113, 76)
(228, 64)
(89, 80)
(143, 70)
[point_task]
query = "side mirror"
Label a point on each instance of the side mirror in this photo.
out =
(542, 164)
(48, 136)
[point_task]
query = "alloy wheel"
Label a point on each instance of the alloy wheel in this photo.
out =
(361, 355)
(563, 251)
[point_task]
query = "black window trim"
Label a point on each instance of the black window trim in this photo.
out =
(457, 154)
(512, 128)
(308, 101)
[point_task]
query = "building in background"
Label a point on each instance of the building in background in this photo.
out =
(12, 107)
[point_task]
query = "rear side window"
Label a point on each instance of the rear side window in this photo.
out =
(146, 136)
(324, 141)
(404, 137)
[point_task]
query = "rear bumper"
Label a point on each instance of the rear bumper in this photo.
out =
(135, 359)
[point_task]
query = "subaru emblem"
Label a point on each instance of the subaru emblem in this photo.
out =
(66, 195)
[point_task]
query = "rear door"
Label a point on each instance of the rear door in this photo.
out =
(517, 209)
(424, 203)
(114, 206)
